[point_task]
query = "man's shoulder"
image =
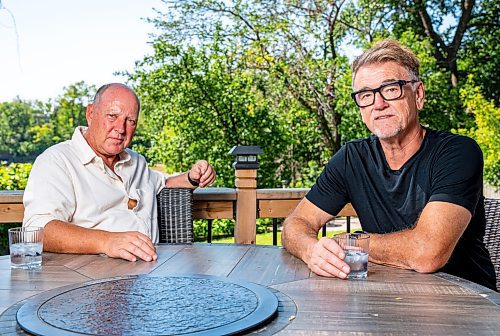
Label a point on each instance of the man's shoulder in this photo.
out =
(359, 145)
(452, 141)
(135, 155)
(361, 142)
(59, 150)
(442, 135)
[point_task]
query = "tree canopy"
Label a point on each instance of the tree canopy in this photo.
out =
(276, 74)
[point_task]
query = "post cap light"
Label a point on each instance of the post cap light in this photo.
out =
(246, 157)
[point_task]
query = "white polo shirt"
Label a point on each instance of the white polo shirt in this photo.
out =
(69, 182)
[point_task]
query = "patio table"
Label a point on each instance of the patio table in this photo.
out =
(389, 301)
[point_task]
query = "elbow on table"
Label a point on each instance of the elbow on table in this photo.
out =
(428, 262)
(284, 234)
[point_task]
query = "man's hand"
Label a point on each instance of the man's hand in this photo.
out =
(129, 246)
(327, 259)
(203, 173)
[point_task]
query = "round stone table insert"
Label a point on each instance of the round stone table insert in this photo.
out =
(149, 305)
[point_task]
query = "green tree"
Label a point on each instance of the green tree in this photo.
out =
(16, 118)
(69, 110)
(57, 118)
(487, 128)
(198, 104)
(464, 35)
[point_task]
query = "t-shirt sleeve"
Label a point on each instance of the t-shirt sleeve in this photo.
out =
(49, 193)
(457, 175)
(329, 192)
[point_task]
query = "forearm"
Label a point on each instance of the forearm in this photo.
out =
(179, 181)
(61, 237)
(428, 246)
(298, 237)
(398, 249)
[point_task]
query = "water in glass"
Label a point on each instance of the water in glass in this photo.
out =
(358, 263)
(26, 255)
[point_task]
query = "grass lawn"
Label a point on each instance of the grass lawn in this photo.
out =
(267, 238)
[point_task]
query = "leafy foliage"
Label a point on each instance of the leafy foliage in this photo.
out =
(28, 128)
(14, 176)
(487, 129)
(198, 104)
(15, 120)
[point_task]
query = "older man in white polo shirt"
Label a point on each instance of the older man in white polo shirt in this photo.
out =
(93, 194)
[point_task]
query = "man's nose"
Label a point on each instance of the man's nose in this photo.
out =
(379, 102)
(120, 127)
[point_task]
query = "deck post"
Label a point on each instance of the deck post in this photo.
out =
(246, 165)
(246, 206)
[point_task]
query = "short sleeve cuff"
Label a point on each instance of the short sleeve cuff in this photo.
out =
(455, 200)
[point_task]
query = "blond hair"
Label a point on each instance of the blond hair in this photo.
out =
(388, 50)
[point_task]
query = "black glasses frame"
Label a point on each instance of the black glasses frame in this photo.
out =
(401, 83)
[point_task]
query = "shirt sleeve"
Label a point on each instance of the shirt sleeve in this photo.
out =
(329, 192)
(49, 193)
(158, 179)
(457, 175)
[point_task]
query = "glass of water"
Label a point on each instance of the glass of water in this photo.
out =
(356, 248)
(26, 246)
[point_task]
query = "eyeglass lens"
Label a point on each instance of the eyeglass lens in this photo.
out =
(387, 91)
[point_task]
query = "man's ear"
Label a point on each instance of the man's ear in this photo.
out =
(89, 113)
(420, 96)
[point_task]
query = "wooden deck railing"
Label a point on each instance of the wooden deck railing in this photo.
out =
(209, 204)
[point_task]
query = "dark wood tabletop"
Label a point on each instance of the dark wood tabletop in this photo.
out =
(389, 301)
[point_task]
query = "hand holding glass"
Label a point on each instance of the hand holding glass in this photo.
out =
(356, 248)
(26, 245)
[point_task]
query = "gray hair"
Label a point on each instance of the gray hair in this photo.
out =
(388, 50)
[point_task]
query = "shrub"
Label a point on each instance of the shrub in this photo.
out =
(14, 176)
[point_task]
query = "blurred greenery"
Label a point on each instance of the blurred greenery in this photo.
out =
(14, 175)
(4, 238)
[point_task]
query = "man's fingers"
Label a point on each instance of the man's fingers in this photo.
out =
(130, 246)
(330, 268)
(326, 259)
(199, 169)
(144, 249)
(332, 246)
(208, 178)
(145, 239)
(124, 254)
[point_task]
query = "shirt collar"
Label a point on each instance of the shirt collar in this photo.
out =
(83, 150)
(85, 153)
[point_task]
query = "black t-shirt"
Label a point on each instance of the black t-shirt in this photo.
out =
(447, 168)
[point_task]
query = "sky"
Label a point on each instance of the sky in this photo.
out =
(61, 42)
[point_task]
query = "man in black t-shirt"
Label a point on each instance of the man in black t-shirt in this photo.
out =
(418, 192)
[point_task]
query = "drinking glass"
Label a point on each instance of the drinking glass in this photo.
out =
(26, 245)
(356, 249)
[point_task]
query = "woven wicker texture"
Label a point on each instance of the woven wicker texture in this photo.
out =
(175, 216)
(492, 233)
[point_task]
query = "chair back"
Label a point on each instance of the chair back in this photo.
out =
(175, 215)
(492, 233)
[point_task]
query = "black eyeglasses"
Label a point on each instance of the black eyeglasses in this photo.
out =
(388, 91)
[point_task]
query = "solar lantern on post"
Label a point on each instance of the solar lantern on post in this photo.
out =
(246, 164)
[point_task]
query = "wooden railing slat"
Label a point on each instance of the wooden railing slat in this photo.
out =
(11, 213)
(209, 203)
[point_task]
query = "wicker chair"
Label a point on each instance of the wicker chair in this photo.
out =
(492, 233)
(175, 216)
